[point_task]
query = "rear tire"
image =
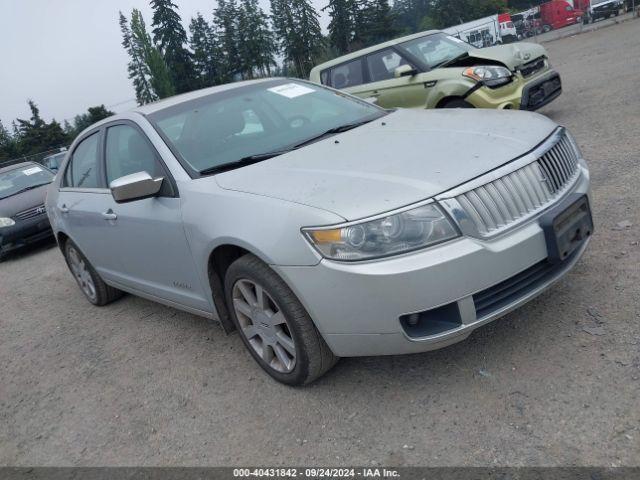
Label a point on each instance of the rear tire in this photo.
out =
(90, 283)
(457, 103)
(273, 324)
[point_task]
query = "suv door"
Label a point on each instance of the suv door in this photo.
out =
(407, 91)
(147, 235)
(81, 199)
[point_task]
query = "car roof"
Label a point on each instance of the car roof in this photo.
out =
(16, 166)
(153, 107)
(185, 97)
(374, 48)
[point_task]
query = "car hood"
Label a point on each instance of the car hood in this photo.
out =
(400, 159)
(512, 55)
(23, 201)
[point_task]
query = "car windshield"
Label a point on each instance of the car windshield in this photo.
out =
(54, 160)
(437, 49)
(256, 122)
(24, 178)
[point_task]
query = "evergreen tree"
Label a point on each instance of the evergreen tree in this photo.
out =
(298, 32)
(159, 78)
(170, 38)
(379, 22)
(226, 31)
(446, 13)
(85, 120)
(341, 25)
(138, 69)
(7, 144)
(409, 13)
(256, 43)
(35, 135)
(205, 55)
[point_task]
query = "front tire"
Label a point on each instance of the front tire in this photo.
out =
(457, 103)
(273, 324)
(93, 287)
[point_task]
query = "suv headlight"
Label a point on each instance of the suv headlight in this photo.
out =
(383, 236)
(491, 75)
(6, 222)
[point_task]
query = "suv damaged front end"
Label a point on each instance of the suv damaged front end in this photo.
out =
(510, 77)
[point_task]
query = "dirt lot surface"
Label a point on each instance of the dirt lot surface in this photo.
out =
(556, 382)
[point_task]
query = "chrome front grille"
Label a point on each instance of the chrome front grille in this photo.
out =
(31, 213)
(505, 201)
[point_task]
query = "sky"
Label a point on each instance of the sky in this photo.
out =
(66, 55)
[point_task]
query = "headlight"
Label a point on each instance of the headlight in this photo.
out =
(491, 76)
(6, 222)
(387, 235)
(573, 143)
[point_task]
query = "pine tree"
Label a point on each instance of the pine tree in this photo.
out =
(171, 38)
(159, 78)
(376, 22)
(138, 69)
(85, 120)
(298, 31)
(256, 43)
(35, 135)
(225, 26)
(342, 25)
(205, 55)
(7, 144)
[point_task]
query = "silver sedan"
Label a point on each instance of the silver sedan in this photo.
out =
(319, 225)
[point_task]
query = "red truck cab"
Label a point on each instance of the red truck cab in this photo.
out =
(559, 14)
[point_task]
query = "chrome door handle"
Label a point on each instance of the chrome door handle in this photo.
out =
(64, 209)
(109, 215)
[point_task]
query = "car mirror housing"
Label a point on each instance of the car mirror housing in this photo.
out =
(135, 187)
(404, 71)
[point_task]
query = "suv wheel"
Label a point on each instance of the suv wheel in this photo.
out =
(457, 103)
(273, 324)
(93, 287)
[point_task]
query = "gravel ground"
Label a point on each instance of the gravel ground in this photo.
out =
(554, 383)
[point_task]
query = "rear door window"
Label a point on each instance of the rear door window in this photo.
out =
(347, 75)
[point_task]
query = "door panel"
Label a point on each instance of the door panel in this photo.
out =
(148, 238)
(147, 235)
(79, 213)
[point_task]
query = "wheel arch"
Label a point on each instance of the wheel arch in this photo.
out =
(220, 259)
(443, 101)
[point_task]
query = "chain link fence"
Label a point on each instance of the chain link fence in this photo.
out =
(35, 157)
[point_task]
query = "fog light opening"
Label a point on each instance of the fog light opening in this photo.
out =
(432, 322)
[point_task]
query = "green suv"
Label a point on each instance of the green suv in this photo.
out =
(435, 70)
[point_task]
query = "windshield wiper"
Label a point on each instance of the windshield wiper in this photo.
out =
(244, 161)
(333, 131)
(28, 188)
(453, 60)
(259, 157)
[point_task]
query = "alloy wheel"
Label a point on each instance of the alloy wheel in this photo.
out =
(264, 325)
(81, 272)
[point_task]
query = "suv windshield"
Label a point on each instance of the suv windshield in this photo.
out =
(255, 122)
(22, 179)
(437, 49)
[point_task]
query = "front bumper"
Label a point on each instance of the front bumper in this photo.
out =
(24, 232)
(521, 94)
(358, 307)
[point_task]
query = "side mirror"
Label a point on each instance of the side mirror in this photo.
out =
(404, 71)
(135, 187)
(373, 100)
